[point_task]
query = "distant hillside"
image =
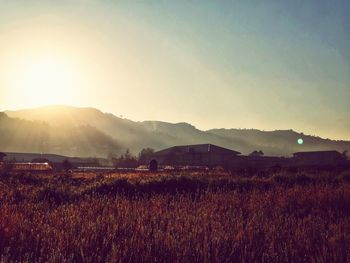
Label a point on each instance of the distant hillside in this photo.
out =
(281, 142)
(96, 133)
(130, 134)
(18, 135)
(184, 133)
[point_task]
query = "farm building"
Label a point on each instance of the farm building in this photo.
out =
(319, 158)
(53, 159)
(257, 162)
(194, 155)
(28, 167)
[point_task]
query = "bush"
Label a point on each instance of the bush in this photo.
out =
(292, 179)
(344, 176)
(54, 195)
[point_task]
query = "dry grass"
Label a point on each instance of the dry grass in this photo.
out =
(207, 218)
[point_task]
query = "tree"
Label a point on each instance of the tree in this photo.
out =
(112, 158)
(127, 154)
(126, 160)
(67, 165)
(145, 155)
(345, 154)
(257, 153)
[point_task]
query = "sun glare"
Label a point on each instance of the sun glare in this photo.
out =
(46, 80)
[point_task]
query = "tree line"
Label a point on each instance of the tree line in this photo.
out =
(128, 160)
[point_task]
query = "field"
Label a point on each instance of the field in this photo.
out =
(179, 217)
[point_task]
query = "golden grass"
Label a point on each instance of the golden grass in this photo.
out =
(294, 223)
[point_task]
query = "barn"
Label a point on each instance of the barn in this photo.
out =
(318, 158)
(194, 155)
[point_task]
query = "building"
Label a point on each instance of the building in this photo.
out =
(28, 167)
(257, 162)
(194, 155)
(53, 159)
(318, 158)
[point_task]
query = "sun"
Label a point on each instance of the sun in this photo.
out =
(45, 80)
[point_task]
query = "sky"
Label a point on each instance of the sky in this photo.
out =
(215, 64)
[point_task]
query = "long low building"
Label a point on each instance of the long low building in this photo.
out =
(26, 167)
(195, 155)
(323, 158)
(210, 155)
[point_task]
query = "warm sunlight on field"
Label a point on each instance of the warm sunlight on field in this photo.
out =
(174, 131)
(188, 217)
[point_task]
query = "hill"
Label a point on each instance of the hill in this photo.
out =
(90, 132)
(282, 142)
(18, 135)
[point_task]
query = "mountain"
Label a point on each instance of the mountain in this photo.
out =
(18, 135)
(282, 142)
(184, 133)
(90, 132)
(132, 135)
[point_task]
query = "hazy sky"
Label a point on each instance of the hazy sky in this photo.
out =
(240, 64)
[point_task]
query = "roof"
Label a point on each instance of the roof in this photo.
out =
(28, 157)
(196, 148)
(31, 166)
(316, 153)
(55, 158)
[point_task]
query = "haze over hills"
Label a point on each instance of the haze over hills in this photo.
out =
(89, 132)
(19, 135)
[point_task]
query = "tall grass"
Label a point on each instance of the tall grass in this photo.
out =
(214, 219)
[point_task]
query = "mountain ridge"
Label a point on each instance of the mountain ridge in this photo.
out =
(124, 134)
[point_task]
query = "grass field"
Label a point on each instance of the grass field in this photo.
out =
(188, 217)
